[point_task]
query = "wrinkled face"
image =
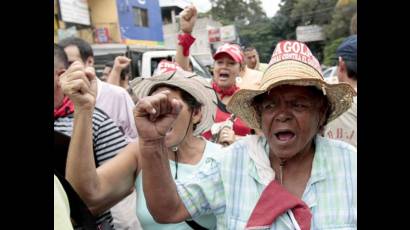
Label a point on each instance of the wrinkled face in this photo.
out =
(291, 117)
(251, 59)
(225, 71)
(182, 126)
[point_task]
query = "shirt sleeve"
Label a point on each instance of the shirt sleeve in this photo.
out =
(129, 124)
(204, 193)
(108, 140)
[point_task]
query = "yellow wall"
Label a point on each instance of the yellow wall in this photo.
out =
(104, 14)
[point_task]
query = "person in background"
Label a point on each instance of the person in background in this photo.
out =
(106, 71)
(345, 127)
(252, 59)
(120, 72)
(227, 67)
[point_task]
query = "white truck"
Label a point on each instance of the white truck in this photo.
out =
(144, 61)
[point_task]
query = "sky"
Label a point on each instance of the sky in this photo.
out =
(270, 6)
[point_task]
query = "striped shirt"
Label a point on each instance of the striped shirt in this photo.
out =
(108, 140)
(229, 187)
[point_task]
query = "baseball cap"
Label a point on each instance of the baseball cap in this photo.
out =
(233, 50)
(348, 49)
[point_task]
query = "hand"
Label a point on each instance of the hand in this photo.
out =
(154, 116)
(226, 136)
(187, 19)
(80, 85)
(121, 62)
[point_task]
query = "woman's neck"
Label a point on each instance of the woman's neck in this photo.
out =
(190, 151)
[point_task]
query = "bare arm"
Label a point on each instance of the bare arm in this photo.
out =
(103, 187)
(120, 63)
(154, 115)
(187, 21)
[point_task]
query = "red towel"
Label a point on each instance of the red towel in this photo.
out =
(274, 201)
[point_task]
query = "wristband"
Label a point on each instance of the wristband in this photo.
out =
(185, 40)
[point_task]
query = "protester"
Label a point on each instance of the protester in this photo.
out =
(107, 137)
(290, 178)
(113, 100)
(345, 126)
(186, 149)
(227, 66)
(252, 59)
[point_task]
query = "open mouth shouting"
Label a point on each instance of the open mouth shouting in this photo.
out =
(284, 137)
(223, 75)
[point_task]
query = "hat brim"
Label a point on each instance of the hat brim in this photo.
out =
(191, 83)
(218, 55)
(340, 95)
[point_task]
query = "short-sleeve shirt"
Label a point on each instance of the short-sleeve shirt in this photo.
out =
(108, 140)
(229, 187)
(185, 171)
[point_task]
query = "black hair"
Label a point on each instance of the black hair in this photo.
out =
(85, 49)
(351, 68)
(249, 48)
(60, 57)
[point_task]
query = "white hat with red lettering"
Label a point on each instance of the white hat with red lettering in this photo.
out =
(292, 63)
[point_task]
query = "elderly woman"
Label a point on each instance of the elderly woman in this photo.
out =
(182, 144)
(289, 178)
(227, 67)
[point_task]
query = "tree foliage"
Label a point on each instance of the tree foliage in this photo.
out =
(330, 52)
(263, 33)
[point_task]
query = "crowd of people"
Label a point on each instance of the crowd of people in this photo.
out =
(254, 148)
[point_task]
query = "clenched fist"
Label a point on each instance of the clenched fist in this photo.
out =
(154, 115)
(187, 19)
(80, 85)
(121, 62)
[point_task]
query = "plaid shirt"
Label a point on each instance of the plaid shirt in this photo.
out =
(228, 186)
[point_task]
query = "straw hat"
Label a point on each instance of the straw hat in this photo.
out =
(292, 63)
(191, 83)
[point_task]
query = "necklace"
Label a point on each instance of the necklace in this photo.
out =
(175, 150)
(281, 165)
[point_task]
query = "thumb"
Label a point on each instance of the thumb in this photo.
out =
(90, 73)
(176, 107)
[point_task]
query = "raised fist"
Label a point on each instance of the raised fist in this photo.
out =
(187, 19)
(154, 115)
(79, 84)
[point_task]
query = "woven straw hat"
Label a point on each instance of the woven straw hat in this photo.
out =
(191, 83)
(292, 63)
